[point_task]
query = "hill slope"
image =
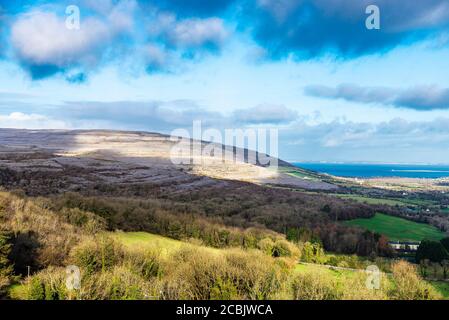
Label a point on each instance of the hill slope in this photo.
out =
(83, 158)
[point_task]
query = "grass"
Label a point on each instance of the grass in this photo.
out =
(442, 287)
(145, 240)
(386, 201)
(300, 173)
(398, 229)
(368, 200)
(338, 273)
(18, 291)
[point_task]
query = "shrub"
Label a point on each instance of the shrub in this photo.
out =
(266, 245)
(99, 254)
(146, 263)
(408, 285)
(36, 289)
(6, 267)
(48, 284)
(118, 283)
(283, 248)
(224, 290)
(196, 273)
(355, 288)
(255, 275)
(315, 285)
(89, 221)
(236, 274)
(312, 253)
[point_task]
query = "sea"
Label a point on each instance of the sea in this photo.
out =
(378, 170)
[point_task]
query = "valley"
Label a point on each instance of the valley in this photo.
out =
(69, 196)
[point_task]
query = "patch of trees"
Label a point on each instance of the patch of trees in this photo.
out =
(433, 251)
(182, 212)
(218, 216)
(152, 216)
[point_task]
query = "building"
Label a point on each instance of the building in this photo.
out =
(404, 246)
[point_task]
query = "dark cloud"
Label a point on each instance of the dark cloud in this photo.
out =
(421, 98)
(310, 29)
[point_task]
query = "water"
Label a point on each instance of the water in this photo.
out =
(378, 170)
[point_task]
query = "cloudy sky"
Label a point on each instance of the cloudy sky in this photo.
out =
(336, 90)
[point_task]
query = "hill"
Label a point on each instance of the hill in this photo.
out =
(80, 159)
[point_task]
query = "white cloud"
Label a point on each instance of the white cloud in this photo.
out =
(40, 38)
(21, 120)
(265, 114)
(155, 57)
(198, 32)
(188, 33)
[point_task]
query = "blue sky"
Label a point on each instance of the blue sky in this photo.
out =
(335, 90)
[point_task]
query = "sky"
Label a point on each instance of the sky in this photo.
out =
(336, 90)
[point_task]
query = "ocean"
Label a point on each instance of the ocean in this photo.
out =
(378, 170)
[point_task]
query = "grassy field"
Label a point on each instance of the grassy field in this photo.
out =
(144, 240)
(368, 200)
(386, 201)
(299, 173)
(339, 274)
(397, 228)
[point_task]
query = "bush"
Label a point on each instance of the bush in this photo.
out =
(315, 285)
(118, 283)
(256, 276)
(48, 285)
(36, 289)
(146, 263)
(238, 274)
(266, 245)
(283, 248)
(312, 253)
(99, 254)
(196, 272)
(408, 285)
(6, 267)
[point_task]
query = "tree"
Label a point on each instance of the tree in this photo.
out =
(313, 253)
(445, 265)
(445, 243)
(424, 265)
(432, 250)
(6, 267)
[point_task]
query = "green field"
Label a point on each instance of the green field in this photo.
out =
(386, 201)
(368, 200)
(397, 228)
(144, 240)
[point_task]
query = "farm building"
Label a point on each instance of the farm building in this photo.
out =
(404, 246)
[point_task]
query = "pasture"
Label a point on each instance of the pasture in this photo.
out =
(398, 229)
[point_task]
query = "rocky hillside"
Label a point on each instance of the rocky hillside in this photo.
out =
(49, 160)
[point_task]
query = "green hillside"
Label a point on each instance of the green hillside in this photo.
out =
(398, 229)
